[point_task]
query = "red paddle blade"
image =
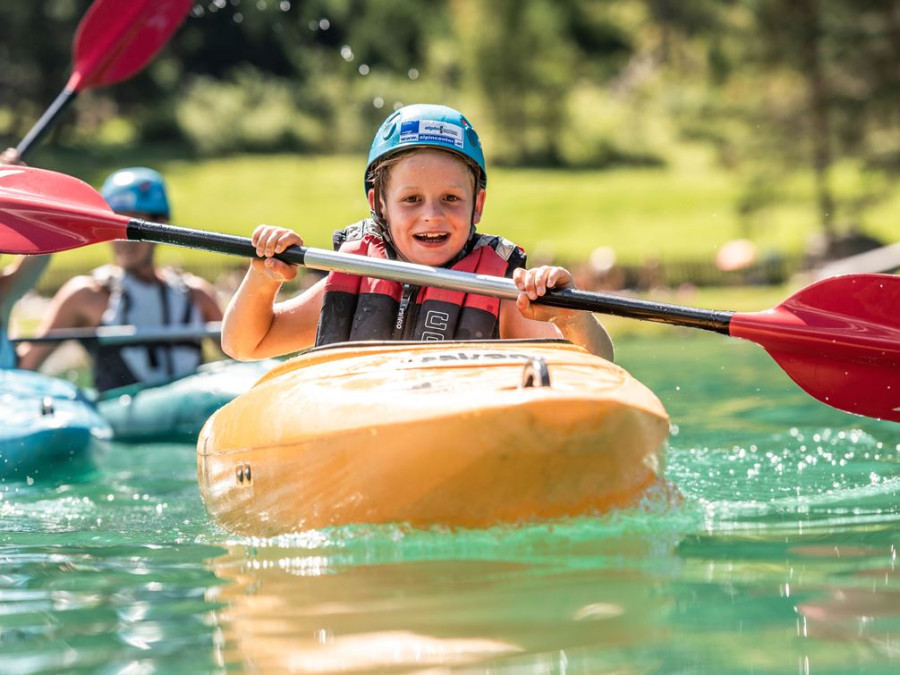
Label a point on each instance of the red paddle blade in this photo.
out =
(839, 339)
(44, 212)
(116, 38)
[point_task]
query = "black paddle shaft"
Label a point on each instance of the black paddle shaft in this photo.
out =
(604, 303)
(62, 101)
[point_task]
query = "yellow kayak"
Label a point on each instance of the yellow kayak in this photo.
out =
(465, 434)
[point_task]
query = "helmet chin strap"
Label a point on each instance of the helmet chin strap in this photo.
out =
(382, 227)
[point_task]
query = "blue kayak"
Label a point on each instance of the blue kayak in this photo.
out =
(49, 429)
(175, 411)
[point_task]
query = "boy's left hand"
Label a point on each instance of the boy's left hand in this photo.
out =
(533, 283)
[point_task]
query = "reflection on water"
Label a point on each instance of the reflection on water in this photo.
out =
(780, 556)
(530, 596)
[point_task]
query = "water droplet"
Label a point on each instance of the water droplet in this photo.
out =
(413, 74)
(284, 5)
(346, 53)
(378, 102)
(238, 17)
(363, 69)
(324, 24)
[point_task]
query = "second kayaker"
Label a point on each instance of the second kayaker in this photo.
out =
(426, 186)
(133, 290)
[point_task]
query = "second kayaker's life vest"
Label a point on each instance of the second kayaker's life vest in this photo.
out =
(146, 305)
(362, 308)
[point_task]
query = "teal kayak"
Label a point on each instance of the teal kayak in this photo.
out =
(50, 430)
(175, 411)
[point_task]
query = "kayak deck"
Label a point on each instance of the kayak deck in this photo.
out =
(458, 434)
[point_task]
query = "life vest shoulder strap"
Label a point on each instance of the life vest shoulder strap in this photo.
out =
(354, 233)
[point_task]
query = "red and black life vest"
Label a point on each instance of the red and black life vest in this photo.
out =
(362, 308)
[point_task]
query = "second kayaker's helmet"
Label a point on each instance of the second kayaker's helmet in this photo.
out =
(136, 190)
(427, 125)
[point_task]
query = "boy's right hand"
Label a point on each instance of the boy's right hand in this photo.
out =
(270, 240)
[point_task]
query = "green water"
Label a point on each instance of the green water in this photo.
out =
(773, 551)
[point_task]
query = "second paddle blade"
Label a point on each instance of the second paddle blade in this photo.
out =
(116, 38)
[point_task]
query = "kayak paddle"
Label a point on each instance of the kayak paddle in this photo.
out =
(115, 39)
(839, 339)
(127, 335)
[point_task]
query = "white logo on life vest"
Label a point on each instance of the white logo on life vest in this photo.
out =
(437, 320)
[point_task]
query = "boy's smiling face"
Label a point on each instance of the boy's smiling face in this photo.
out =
(430, 204)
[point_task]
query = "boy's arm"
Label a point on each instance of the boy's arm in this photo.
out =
(582, 329)
(256, 327)
(524, 319)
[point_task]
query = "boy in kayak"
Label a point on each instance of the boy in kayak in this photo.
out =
(425, 183)
(15, 281)
(132, 291)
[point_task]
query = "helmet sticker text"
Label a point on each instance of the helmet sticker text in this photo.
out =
(431, 131)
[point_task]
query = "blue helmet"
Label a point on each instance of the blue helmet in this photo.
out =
(426, 125)
(136, 190)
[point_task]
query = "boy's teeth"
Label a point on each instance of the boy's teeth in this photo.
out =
(431, 235)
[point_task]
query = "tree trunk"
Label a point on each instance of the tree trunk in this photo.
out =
(809, 11)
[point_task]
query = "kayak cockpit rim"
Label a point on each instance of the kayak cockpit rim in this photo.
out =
(401, 343)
